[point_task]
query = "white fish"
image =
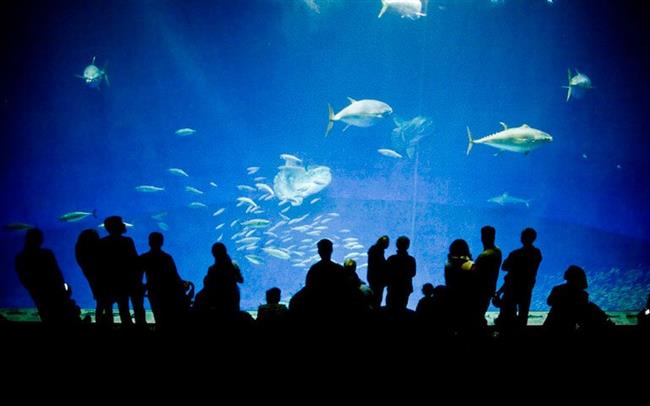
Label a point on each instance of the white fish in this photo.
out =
(286, 209)
(197, 205)
(213, 184)
(298, 219)
(149, 188)
(359, 113)
(248, 240)
(163, 226)
(218, 212)
(93, 76)
(77, 216)
(127, 225)
(411, 9)
(220, 237)
(185, 131)
(252, 169)
(506, 199)
(259, 178)
(159, 216)
(219, 226)
(389, 153)
(291, 159)
(178, 172)
(246, 188)
(275, 252)
(263, 187)
(193, 190)
(254, 259)
(246, 200)
(314, 200)
(519, 139)
(293, 183)
(232, 224)
(578, 84)
(257, 223)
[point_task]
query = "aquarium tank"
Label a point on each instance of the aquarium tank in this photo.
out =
(271, 124)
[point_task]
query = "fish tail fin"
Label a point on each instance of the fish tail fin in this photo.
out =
(470, 141)
(330, 123)
(106, 79)
(568, 93)
(384, 7)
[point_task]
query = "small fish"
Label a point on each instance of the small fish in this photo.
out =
(290, 160)
(256, 223)
(314, 200)
(232, 224)
(185, 131)
(584, 156)
(149, 189)
(259, 178)
(275, 252)
(246, 188)
(389, 153)
(252, 169)
(178, 172)
(193, 190)
(286, 209)
(263, 187)
(93, 76)
(246, 200)
(159, 216)
(219, 226)
(254, 259)
(218, 212)
(77, 216)
(213, 184)
(163, 226)
(220, 237)
(17, 226)
(197, 205)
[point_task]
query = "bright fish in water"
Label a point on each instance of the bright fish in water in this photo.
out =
(159, 216)
(519, 139)
(389, 153)
(578, 84)
(185, 131)
(178, 172)
(359, 113)
(256, 223)
(193, 190)
(213, 184)
(275, 252)
(218, 212)
(93, 76)
(149, 189)
(219, 226)
(254, 259)
(411, 9)
(314, 200)
(505, 199)
(76, 216)
(163, 226)
(197, 205)
(252, 169)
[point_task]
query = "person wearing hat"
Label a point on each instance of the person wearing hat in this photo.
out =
(120, 276)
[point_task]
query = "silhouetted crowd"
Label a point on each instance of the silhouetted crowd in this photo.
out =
(333, 294)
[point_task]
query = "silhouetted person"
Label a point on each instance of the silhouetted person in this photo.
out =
(273, 313)
(39, 273)
(88, 258)
(400, 271)
(376, 274)
(122, 275)
(568, 303)
(165, 286)
(487, 268)
(434, 310)
(462, 281)
(325, 284)
(521, 266)
(426, 304)
(220, 296)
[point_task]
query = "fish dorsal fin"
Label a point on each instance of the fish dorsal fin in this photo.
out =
(525, 126)
(351, 100)
(93, 62)
(505, 127)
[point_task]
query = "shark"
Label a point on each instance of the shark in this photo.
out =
(518, 139)
(506, 199)
(578, 84)
(359, 113)
(93, 76)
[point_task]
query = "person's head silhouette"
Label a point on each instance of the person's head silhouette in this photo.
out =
(325, 249)
(33, 238)
(528, 236)
(488, 235)
(156, 240)
(403, 243)
(114, 225)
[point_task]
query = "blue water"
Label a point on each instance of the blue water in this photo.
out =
(254, 79)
